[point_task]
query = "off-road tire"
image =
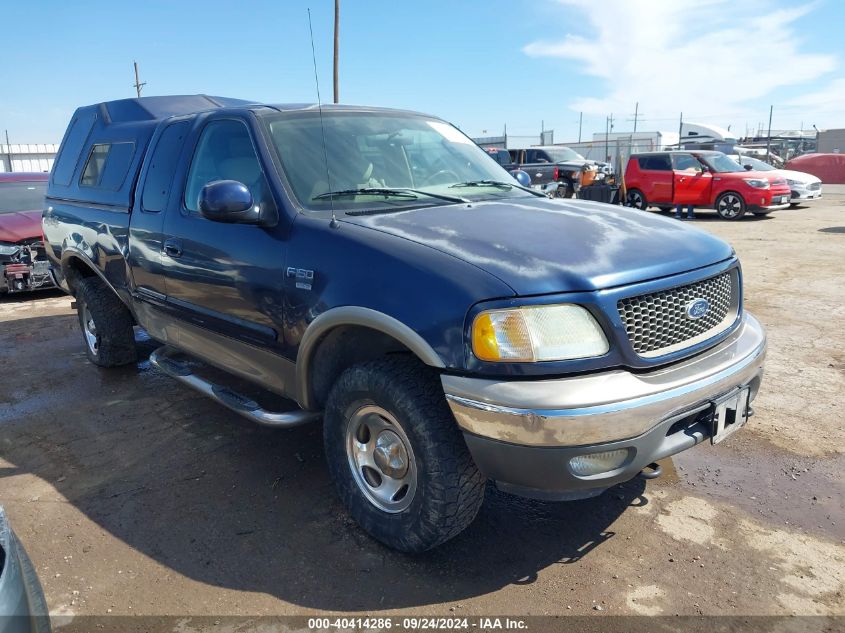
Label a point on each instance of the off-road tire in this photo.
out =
(115, 339)
(449, 487)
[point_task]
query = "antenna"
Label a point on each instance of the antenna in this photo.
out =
(333, 223)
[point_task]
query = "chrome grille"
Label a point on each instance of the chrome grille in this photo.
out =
(658, 324)
(814, 186)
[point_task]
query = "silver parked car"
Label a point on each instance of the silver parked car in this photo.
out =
(22, 605)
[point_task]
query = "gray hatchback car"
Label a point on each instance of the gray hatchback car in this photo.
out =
(22, 605)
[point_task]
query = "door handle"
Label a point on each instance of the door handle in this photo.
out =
(172, 248)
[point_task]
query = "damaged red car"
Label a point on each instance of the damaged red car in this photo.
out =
(23, 263)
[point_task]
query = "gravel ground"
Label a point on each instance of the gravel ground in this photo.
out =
(135, 496)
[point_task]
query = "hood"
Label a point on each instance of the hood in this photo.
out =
(20, 225)
(798, 176)
(544, 246)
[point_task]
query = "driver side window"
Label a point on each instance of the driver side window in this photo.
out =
(685, 162)
(225, 152)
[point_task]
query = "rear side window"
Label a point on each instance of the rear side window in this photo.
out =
(95, 165)
(162, 167)
(655, 163)
(107, 165)
(77, 132)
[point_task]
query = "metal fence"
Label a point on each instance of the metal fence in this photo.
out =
(28, 157)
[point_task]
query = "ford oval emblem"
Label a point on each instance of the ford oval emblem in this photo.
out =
(697, 308)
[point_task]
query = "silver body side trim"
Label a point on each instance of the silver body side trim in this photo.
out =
(606, 406)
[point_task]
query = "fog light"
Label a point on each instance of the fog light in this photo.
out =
(596, 463)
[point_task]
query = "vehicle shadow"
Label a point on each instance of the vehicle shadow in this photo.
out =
(27, 297)
(224, 502)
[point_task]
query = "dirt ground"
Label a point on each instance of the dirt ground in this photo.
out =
(134, 495)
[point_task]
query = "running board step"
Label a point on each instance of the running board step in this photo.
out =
(167, 360)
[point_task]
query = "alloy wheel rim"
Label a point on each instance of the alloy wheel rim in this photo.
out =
(381, 459)
(635, 199)
(89, 328)
(729, 206)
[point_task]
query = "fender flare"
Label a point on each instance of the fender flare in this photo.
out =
(354, 315)
(72, 252)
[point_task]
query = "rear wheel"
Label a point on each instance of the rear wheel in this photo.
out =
(396, 456)
(565, 189)
(730, 206)
(106, 324)
(636, 198)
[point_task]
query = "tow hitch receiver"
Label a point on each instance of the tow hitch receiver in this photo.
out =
(730, 413)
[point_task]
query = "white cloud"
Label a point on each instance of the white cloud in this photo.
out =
(711, 57)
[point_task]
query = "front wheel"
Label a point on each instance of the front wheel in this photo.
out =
(730, 206)
(396, 456)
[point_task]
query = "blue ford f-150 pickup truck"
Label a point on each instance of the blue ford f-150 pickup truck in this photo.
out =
(380, 270)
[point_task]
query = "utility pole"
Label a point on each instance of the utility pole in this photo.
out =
(138, 85)
(680, 129)
(9, 151)
(580, 121)
(769, 134)
(336, 49)
(637, 116)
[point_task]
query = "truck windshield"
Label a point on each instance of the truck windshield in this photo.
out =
(372, 151)
(562, 154)
(721, 163)
(22, 196)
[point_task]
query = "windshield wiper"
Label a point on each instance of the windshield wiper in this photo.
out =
(366, 191)
(498, 184)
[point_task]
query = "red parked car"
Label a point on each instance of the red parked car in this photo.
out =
(23, 262)
(703, 179)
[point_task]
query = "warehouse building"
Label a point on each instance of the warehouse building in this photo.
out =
(831, 141)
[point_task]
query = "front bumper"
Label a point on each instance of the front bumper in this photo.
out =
(802, 194)
(770, 201)
(524, 433)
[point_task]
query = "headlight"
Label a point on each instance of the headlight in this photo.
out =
(9, 249)
(794, 183)
(759, 183)
(537, 333)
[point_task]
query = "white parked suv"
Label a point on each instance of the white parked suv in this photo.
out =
(804, 187)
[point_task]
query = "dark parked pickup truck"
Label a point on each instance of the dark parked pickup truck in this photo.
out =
(379, 269)
(557, 170)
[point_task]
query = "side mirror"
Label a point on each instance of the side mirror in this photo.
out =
(522, 177)
(748, 167)
(228, 201)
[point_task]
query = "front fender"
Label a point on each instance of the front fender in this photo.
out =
(357, 316)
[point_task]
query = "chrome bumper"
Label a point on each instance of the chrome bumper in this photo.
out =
(608, 406)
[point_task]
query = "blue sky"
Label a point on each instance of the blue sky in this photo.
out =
(478, 63)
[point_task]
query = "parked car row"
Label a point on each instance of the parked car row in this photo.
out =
(710, 179)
